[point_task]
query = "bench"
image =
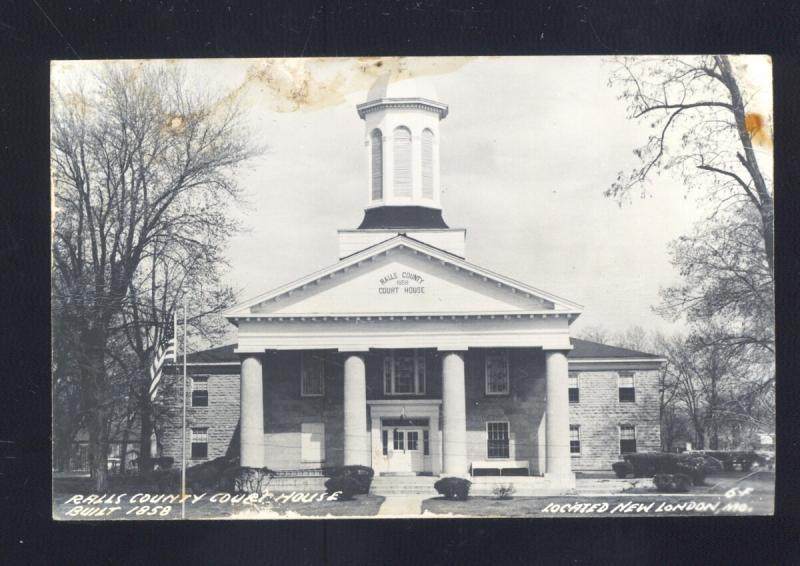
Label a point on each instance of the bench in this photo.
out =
(501, 467)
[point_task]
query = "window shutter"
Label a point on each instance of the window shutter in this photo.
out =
(427, 164)
(402, 162)
(312, 442)
(377, 165)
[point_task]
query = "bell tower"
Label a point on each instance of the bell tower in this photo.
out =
(401, 138)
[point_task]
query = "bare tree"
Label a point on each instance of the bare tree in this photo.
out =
(133, 152)
(598, 334)
(183, 269)
(726, 282)
(702, 129)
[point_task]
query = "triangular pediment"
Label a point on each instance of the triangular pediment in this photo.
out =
(405, 277)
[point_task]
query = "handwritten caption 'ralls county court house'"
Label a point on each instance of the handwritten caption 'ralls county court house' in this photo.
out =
(161, 504)
(404, 282)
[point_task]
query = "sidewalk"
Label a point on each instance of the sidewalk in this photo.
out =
(402, 506)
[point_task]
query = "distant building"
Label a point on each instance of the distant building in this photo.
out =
(405, 357)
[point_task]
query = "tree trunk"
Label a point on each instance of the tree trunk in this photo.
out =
(766, 207)
(124, 449)
(94, 381)
(98, 443)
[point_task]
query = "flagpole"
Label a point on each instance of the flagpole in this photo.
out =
(183, 422)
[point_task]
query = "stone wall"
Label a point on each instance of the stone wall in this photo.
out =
(285, 410)
(221, 417)
(523, 408)
(599, 414)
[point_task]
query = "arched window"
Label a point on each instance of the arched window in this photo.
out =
(427, 163)
(376, 143)
(402, 162)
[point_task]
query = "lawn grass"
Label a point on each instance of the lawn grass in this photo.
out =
(755, 496)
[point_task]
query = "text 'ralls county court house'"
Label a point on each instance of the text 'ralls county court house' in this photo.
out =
(405, 357)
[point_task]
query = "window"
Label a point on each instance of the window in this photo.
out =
(402, 162)
(427, 163)
(574, 439)
(497, 373)
(574, 387)
(627, 391)
(199, 443)
(497, 440)
(376, 146)
(404, 372)
(385, 440)
(398, 436)
(312, 443)
(426, 450)
(312, 381)
(627, 439)
(199, 391)
(413, 439)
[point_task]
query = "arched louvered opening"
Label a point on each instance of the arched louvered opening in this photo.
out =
(427, 163)
(376, 144)
(402, 162)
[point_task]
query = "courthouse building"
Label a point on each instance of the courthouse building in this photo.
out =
(404, 356)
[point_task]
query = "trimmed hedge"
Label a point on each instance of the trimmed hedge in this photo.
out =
(362, 475)
(648, 464)
(731, 459)
(215, 475)
(672, 483)
(453, 488)
(347, 486)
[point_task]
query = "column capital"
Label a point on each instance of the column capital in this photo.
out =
(563, 349)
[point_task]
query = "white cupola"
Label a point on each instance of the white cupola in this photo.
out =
(401, 118)
(401, 136)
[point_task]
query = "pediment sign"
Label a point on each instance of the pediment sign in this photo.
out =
(401, 276)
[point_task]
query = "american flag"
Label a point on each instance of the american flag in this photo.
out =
(166, 350)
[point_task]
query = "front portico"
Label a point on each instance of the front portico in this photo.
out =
(413, 368)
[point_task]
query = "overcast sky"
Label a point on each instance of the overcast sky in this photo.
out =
(527, 150)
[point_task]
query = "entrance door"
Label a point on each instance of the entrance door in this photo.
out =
(405, 452)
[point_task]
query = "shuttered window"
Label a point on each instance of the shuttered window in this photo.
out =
(427, 164)
(376, 143)
(574, 439)
(199, 440)
(402, 162)
(627, 439)
(312, 446)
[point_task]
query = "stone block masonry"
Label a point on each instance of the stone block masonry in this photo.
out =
(599, 413)
(220, 417)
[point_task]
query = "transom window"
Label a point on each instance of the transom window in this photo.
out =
(404, 372)
(574, 387)
(497, 373)
(199, 443)
(312, 380)
(627, 387)
(627, 439)
(199, 391)
(574, 439)
(497, 440)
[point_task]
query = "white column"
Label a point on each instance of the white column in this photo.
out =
(557, 424)
(454, 416)
(252, 413)
(356, 449)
